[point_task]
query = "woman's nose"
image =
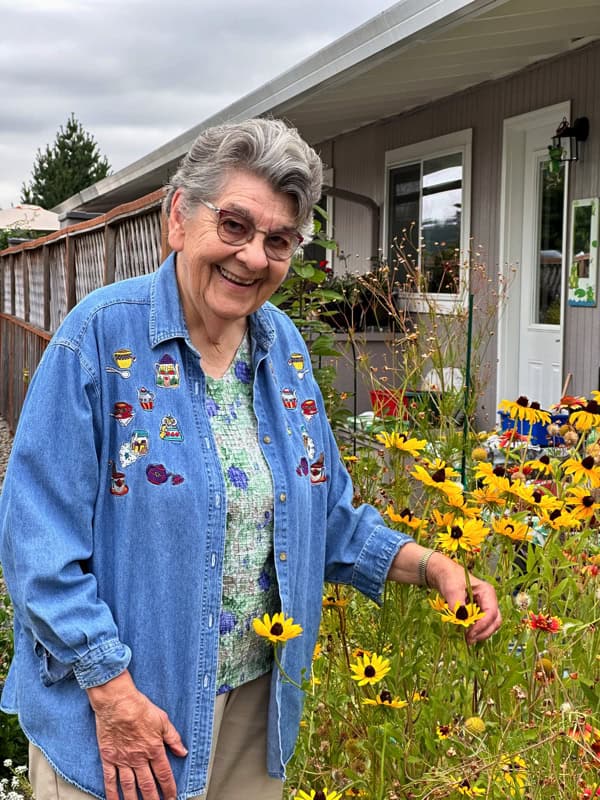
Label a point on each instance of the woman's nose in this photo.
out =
(252, 253)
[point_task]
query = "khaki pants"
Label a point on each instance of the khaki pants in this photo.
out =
(238, 759)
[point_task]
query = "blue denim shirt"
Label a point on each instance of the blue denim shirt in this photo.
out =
(112, 534)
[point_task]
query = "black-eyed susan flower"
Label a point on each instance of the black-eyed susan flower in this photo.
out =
(464, 614)
(582, 469)
(278, 628)
(581, 503)
(513, 774)
(384, 698)
(587, 417)
(465, 788)
(405, 517)
(354, 791)
(319, 794)
(559, 520)
(488, 495)
(442, 519)
(370, 669)
(438, 480)
(541, 465)
(401, 442)
(522, 409)
(331, 601)
(438, 603)
(443, 731)
(463, 534)
(544, 622)
(512, 529)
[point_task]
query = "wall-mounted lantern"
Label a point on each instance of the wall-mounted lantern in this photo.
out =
(565, 142)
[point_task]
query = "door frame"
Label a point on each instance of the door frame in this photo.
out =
(511, 240)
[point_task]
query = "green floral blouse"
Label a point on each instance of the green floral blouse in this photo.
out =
(249, 580)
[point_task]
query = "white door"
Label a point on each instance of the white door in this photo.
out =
(533, 257)
(542, 270)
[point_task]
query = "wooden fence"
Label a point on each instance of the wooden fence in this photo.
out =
(41, 280)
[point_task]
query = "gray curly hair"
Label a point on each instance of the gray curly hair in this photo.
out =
(267, 148)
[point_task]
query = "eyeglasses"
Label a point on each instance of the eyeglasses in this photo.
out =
(233, 228)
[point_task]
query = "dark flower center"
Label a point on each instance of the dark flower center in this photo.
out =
(277, 629)
(462, 613)
(509, 527)
(535, 404)
(522, 401)
(456, 532)
(320, 795)
(369, 671)
(545, 460)
(537, 495)
(555, 514)
(593, 407)
(587, 501)
(499, 471)
(385, 696)
(439, 476)
(587, 462)
(407, 514)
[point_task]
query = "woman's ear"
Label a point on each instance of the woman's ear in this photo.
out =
(176, 235)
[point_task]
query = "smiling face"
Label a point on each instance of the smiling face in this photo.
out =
(221, 284)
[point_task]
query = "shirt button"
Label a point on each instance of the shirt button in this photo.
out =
(267, 439)
(283, 556)
(283, 497)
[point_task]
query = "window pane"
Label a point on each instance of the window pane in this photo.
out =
(549, 259)
(403, 221)
(441, 223)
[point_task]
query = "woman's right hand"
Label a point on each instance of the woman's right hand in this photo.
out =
(132, 736)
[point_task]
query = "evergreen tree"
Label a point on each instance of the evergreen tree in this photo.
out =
(70, 165)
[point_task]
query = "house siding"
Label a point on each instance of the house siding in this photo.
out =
(358, 161)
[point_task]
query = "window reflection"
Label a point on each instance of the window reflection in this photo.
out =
(549, 258)
(425, 205)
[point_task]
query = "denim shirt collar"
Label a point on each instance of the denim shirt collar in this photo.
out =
(168, 322)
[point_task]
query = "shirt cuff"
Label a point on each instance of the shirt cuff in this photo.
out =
(102, 664)
(373, 564)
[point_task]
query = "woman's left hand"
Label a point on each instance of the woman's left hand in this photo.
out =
(449, 579)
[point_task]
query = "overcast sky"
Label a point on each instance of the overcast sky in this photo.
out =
(137, 73)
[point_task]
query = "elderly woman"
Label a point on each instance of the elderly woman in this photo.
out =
(153, 506)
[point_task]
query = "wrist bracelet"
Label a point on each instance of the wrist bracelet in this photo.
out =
(422, 568)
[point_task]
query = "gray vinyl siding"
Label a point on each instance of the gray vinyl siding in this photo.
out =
(358, 161)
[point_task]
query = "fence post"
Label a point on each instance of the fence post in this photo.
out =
(25, 261)
(70, 273)
(164, 233)
(110, 239)
(13, 299)
(46, 285)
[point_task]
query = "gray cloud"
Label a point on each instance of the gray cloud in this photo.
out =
(137, 73)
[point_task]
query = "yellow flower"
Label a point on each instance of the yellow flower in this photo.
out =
(370, 669)
(475, 725)
(444, 731)
(513, 529)
(320, 794)
(581, 503)
(463, 614)
(438, 604)
(560, 520)
(399, 441)
(587, 418)
(405, 517)
(437, 480)
(331, 601)
(513, 773)
(583, 469)
(488, 495)
(523, 410)
(384, 698)
(466, 788)
(317, 652)
(464, 534)
(443, 520)
(276, 629)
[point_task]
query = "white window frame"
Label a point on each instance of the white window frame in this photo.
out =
(457, 142)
